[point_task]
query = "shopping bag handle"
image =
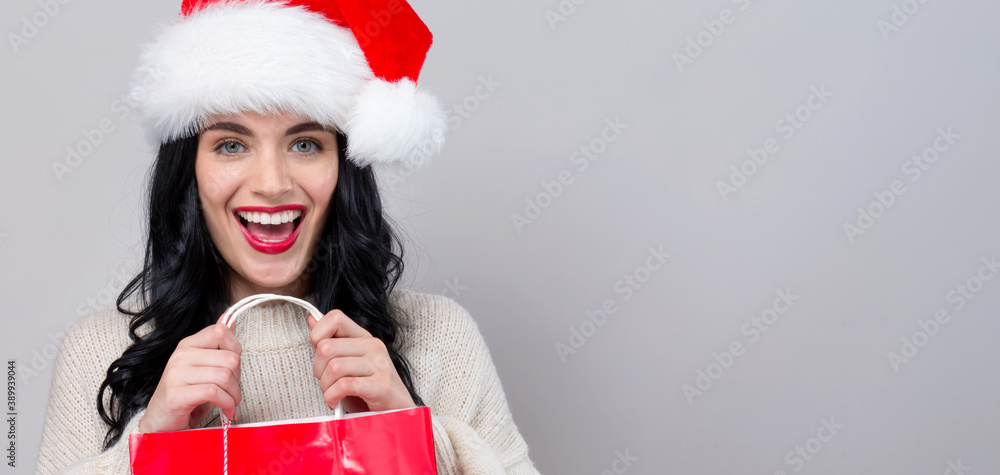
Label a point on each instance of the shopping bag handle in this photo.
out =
(239, 308)
(229, 318)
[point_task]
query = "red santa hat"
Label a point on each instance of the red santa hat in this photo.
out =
(349, 64)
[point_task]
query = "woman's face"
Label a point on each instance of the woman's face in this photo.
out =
(265, 184)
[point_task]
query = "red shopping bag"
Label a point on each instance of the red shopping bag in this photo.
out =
(370, 443)
(393, 442)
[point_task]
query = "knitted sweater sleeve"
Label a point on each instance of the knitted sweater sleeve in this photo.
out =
(73, 433)
(474, 430)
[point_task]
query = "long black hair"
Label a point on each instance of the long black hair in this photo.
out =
(182, 287)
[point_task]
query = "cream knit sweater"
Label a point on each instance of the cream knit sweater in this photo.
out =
(474, 432)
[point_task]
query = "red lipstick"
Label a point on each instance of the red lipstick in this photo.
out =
(270, 246)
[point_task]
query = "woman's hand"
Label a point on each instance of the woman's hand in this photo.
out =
(203, 372)
(354, 366)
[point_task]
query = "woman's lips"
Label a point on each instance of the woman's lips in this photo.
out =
(270, 230)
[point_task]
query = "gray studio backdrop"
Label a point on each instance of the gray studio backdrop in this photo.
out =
(700, 237)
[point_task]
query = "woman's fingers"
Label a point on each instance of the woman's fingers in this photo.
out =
(190, 397)
(335, 324)
(197, 357)
(331, 348)
(221, 377)
(213, 337)
(350, 386)
(338, 368)
(203, 369)
(354, 367)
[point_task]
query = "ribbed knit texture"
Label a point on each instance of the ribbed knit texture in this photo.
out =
(474, 432)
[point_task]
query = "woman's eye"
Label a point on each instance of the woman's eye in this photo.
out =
(304, 146)
(232, 147)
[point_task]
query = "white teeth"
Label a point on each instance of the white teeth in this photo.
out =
(265, 218)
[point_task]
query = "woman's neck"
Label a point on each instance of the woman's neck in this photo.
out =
(240, 288)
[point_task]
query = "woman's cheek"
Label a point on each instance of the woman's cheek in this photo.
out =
(217, 184)
(218, 181)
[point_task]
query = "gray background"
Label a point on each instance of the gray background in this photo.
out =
(66, 244)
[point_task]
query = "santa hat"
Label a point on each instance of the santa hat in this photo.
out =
(349, 64)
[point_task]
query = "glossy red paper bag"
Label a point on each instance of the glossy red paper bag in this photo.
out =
(392, 442)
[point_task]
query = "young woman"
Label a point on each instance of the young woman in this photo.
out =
(269, 118)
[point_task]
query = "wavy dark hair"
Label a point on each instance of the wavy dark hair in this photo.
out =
(182, 287)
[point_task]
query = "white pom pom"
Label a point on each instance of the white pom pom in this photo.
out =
(394, 123)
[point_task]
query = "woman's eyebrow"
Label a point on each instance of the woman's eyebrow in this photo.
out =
(306, 127)
(230, 126)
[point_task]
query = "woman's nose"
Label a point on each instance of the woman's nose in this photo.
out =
(271, 176)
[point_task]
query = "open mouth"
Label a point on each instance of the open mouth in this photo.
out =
(270, 230)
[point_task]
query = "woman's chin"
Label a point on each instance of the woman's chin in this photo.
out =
(273, 279)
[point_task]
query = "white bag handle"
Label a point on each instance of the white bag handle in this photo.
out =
(239, 308)
(229, 318)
